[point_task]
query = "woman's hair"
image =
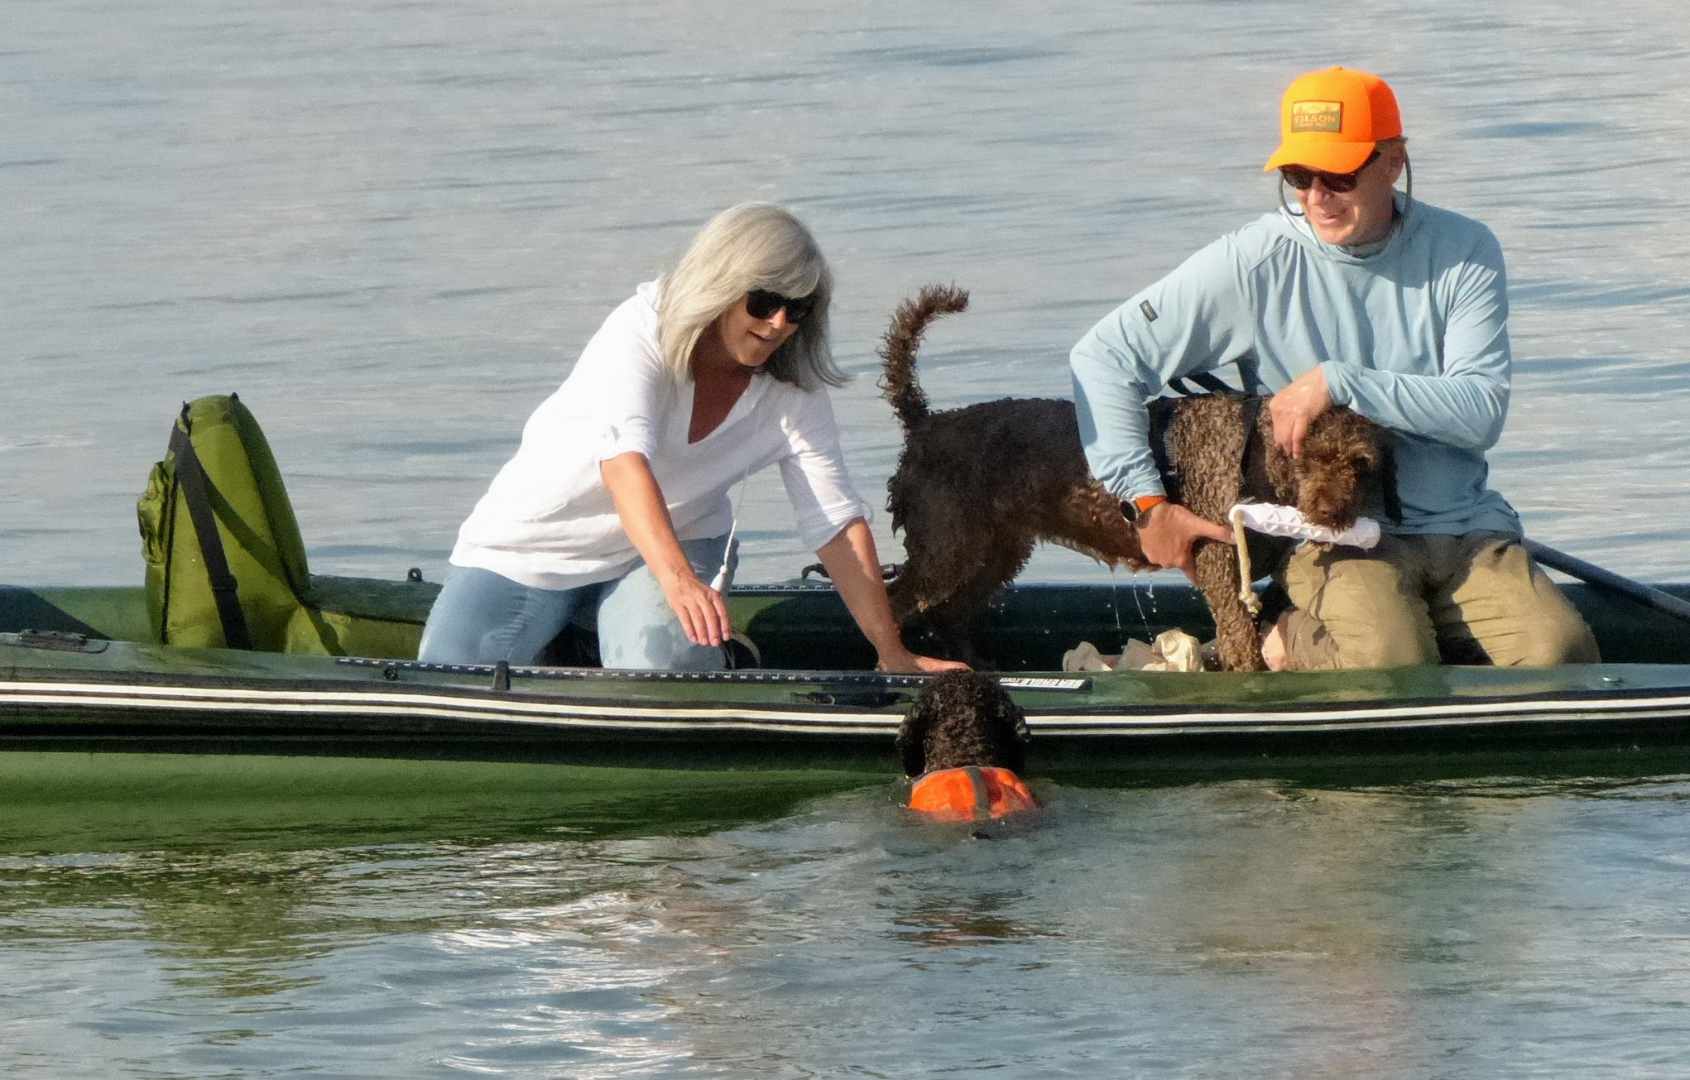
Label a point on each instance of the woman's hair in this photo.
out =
(745, 247)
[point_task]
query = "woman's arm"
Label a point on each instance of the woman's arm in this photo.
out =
(854, 566)
(645, 518)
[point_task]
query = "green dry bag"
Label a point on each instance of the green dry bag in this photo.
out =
(225, 563)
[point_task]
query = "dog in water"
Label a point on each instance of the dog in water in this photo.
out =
(977, 488)
(963, 742)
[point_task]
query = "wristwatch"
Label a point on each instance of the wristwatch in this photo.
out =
(1135, 509)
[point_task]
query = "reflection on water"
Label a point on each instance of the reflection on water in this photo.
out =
(1481, 925)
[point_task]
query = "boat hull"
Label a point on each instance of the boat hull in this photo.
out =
(125, 695)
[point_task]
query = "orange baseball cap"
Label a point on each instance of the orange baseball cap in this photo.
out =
(1330, 120)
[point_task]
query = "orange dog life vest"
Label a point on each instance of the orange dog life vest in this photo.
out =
(970, 793)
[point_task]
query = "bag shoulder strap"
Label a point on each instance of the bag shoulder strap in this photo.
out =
(196, 491)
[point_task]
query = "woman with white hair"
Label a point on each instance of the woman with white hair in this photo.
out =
(617, 500)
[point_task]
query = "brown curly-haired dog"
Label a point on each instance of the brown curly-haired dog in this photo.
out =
(976, 488)
(962, 718)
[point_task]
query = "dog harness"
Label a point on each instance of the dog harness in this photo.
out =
(971, 793)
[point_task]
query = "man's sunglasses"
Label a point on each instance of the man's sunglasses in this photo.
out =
(1337, 183)
(762, 304)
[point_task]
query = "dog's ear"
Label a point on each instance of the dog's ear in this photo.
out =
(1009, 715)
(1388, 479)
(1013, 736)
(1015, 755)
(912, 735)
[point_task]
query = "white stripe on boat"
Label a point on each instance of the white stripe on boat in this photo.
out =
(671, 716)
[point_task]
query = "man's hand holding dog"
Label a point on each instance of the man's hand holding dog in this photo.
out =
(1168, 532)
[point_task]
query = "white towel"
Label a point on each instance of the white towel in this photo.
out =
(1276, 520)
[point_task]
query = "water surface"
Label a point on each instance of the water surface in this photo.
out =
(391, 227)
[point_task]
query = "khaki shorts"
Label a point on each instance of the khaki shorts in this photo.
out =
(1473, 599)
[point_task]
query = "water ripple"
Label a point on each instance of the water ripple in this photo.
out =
(957, 56)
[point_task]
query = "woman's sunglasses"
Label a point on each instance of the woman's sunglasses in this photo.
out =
(1337, 183)
(762, 304)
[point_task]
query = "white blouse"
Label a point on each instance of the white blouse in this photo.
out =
(548, 521)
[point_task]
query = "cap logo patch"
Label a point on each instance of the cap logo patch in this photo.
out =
(1323, 116)
(1147, 311)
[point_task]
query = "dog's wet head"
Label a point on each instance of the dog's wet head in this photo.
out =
(962, 718)
(1346, 460)
(964, 740)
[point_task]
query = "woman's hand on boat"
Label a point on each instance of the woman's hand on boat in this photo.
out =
(908, 663)
(854, 567)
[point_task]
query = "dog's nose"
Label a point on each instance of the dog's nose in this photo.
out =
(1326, 511)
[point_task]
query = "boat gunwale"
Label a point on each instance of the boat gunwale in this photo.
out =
(202, 693)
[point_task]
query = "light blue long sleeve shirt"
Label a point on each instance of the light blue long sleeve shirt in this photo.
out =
(1413, 336)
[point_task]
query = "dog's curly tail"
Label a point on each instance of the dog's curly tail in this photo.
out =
(898, 383)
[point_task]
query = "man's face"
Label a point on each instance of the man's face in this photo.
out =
(1360, 216)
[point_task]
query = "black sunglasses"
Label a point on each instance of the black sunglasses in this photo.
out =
(762, 304)
(1337, 183)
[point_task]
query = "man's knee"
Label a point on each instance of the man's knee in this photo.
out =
(1356, 611)
(1572, 644)
(1312, 646)
(1383, 649)
(1516, 614)
(1564, 638)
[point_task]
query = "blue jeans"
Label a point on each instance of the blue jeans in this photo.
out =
(481, 617)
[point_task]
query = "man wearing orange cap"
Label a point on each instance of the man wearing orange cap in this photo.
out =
(1364, 297)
